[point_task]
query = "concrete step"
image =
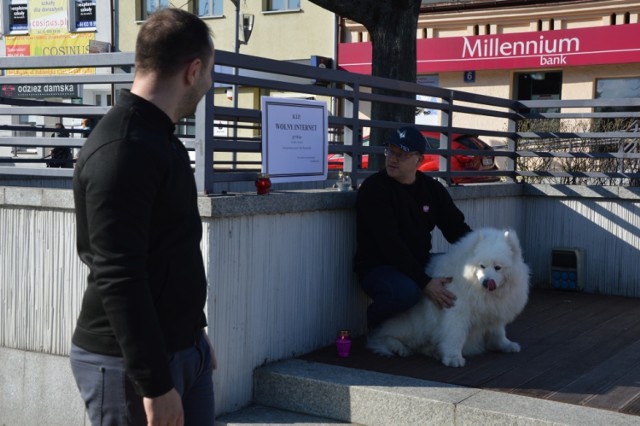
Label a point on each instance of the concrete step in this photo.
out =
(370, 398)
(255, 415)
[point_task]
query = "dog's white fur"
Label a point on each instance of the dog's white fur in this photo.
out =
(491, 283)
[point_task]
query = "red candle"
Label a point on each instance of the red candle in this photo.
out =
(263, 183)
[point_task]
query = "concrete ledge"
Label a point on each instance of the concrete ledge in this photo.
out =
(356, 396)
(259, 415)
(279, 202)
(310, 200)
(370, 398)
(583, 191)
(36, 197)
(248, 204)
(489, 407)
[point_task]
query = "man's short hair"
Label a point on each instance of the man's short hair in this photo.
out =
(169, 39)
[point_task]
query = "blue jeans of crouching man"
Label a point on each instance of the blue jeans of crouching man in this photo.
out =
(110, 398)
(392, 292)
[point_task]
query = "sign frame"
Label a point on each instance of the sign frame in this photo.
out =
(295, 140)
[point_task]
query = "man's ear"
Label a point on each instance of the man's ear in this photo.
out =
(192, 71)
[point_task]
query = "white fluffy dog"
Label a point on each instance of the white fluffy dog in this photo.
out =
(491, 283)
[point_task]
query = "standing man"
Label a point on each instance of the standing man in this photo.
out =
(60, 156)
(397, 208)
(140, 354)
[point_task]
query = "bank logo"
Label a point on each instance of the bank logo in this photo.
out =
(551, 51)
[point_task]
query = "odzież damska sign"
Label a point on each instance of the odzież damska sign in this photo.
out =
(39, 91)
(559, 48)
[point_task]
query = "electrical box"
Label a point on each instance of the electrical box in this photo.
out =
(567, 269)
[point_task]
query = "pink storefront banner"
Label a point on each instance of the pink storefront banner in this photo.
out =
(615, 44)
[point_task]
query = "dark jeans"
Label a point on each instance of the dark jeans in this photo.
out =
(111, 400)
(392, 292)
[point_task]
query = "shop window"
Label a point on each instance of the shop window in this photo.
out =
(17, 17)
(147, 7)
(616, 88)
(281, 5)
(612, 19)
(206, 8)
(426, 116)
(538, 86)
(84, 15)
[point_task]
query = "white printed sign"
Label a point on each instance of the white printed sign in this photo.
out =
(294, 139)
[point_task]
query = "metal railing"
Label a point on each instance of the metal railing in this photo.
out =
(567, 144)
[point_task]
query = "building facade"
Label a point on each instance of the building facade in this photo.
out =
(287, 30)
(519, 50)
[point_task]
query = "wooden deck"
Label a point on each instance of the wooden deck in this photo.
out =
(577, 348)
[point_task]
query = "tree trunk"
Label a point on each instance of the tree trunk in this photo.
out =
(392, 25)
(393, 43)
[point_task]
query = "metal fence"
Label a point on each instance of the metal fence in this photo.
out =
(556, 141)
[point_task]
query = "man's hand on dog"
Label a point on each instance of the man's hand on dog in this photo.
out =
(439, 295)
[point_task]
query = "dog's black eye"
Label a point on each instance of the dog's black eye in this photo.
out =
(482, 266)
(497, 268)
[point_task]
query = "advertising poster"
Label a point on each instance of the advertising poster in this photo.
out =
(49, 45)
(48, 17)
(86, 14)
(18, 17)
(294, 139)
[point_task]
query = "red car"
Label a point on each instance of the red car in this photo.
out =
(431, 162)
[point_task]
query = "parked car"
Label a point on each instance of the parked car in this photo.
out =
(336, 161)
(431, 162)
(461, 162)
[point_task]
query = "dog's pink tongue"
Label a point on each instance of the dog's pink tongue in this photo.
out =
(491, 285)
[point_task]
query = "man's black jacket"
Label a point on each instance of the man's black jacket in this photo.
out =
(139, 232)
(394, 223)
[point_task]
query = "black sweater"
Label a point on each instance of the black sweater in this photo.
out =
(138, 231)
(394, 223)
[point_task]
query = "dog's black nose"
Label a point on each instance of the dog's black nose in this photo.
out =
(489, 284)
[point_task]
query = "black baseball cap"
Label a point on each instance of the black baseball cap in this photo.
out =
(408, 139)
